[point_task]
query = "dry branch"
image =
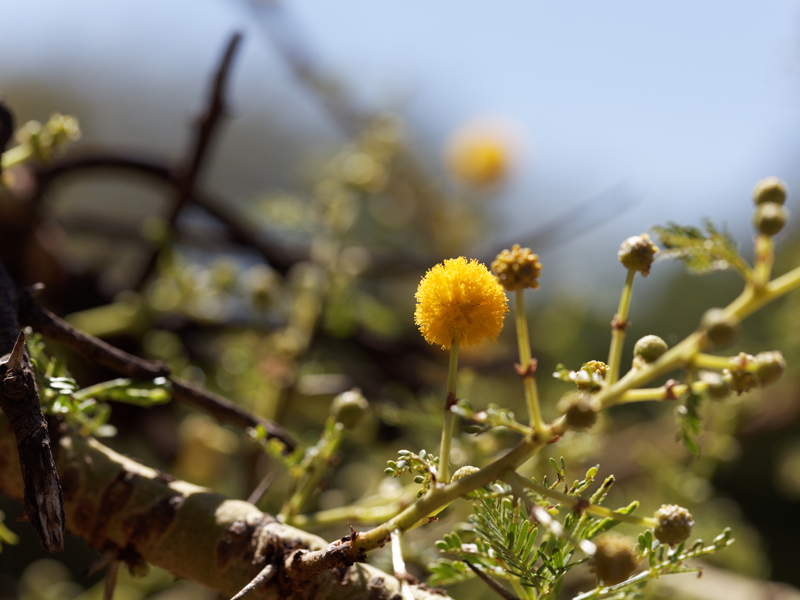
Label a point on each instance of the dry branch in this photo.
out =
(19, 400)
(99, 352)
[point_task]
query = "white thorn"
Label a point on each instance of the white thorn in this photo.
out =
(15, 360)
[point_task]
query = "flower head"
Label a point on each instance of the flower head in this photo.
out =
(460, 298)
(517, 269)
(638, 253)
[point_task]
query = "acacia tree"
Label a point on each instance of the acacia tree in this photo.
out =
(526, 534)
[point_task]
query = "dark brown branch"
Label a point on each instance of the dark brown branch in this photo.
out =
(6, 128)
(106, 355)
(240, 230)
(204, 134)
(19, 400)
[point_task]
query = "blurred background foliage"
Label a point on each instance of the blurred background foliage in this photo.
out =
(362, 205)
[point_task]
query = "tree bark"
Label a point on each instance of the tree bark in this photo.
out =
(140, 514)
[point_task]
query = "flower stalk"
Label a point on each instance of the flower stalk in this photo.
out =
(618, 326)
(449, 416)
(526, 364)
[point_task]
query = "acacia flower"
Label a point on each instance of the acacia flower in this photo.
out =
(460, 298)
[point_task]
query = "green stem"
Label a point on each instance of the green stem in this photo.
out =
(618, 331)
(318, 467)
(764, 259)
(16, 155)
(710, 361)
(449, 416)
(573, 502)
(528, 380)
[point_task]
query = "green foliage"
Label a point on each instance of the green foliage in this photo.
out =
(484, 420)
(423, 464)
(59, 393)
(532, 550)
(690, 421)
(703, 253)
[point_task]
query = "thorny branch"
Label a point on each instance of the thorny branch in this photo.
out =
(19, 400)
(99, 352)
(204, 134)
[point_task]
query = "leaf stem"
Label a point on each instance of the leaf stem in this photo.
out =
(618, 325)
(449, 416)
(577, 503)
(335, 432)
(528, 379)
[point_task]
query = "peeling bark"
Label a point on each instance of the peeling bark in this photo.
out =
(126, 508)
(19, 401)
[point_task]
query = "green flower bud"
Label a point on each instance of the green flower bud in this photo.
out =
(638, 253)
(349, 407)
(770, 218)
(717, 388)
(517, 269)
(769, 366)
(674, 524)
(650, 348)
(770, 189)
(740, 378)
(615, 558)
(720, 331)
(578, 410)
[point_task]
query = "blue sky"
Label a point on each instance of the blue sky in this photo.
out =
(686, 104)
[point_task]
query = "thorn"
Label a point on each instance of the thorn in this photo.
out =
(35, 290)
(15, 359)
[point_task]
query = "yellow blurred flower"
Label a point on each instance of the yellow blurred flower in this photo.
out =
(460, 298)
(479, 154)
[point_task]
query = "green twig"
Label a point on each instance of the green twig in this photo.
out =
(449, 416)
(618, 326)
(528, 379)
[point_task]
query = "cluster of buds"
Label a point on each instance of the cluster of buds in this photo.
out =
(517, 269)
(637, 253)
(754, 371)
(770, 196)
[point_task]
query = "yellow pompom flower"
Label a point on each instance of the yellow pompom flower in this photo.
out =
(460, 298)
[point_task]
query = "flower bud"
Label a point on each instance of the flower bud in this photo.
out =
(578, 410)
(769, 366)
(720, 330)
(517, 269)
(770, 218)
(650, 348)
(740, 377)
(348, 408)
(615, 558)
(771, 189)
(638, 253)
(717, 388)
(674, 524)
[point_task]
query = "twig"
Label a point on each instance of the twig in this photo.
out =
(261, 489)
(106, 355)
(19, 400)
(204, 134)
(239, 228)
(263, 577)
(493, 585)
